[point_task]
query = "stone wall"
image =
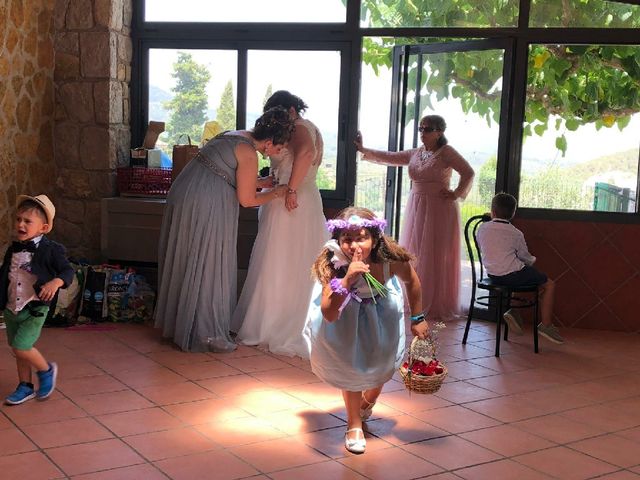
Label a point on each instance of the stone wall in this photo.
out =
(92, 135)
(26, 104)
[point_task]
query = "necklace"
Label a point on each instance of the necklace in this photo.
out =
(426, 155)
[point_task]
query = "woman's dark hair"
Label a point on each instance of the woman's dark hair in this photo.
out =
(438, 123)
(286, 100)
(384, 249)
(275, 124)
(504, 206)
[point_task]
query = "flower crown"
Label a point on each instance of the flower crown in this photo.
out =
(354, 221)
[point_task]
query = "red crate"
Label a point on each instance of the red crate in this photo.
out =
(144, 182)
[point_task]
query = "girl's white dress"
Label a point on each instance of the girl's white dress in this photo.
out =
(272, 308)
(363, 348)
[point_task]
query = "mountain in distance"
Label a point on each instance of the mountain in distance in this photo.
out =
(157, 97)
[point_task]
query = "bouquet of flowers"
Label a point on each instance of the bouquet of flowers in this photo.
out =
(422, 372)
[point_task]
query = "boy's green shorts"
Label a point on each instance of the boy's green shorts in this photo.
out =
(23, 328)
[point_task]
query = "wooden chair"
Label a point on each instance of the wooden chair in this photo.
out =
(498, 296)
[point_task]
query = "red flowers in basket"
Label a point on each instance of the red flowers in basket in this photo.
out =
(418, 367)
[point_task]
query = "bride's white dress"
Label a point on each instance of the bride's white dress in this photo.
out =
(273, 306)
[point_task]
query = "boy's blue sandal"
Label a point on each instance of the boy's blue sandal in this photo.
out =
(47, 381)
(23, 392)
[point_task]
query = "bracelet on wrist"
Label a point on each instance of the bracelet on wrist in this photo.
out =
(291, 191)
(336, 287)
(417, 318)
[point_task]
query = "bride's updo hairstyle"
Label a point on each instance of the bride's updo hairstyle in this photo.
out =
(384, 249)
(275, 125)
(286, 100)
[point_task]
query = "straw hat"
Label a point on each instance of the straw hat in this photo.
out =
(45, 203)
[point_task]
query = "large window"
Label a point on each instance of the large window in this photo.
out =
(549, 112)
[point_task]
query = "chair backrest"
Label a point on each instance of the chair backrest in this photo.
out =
(471, 241)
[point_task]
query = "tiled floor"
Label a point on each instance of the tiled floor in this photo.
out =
(130, 406)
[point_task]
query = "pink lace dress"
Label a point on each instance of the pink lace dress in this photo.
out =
(431, 223)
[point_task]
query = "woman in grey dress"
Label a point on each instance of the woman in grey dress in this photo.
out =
(197, 252)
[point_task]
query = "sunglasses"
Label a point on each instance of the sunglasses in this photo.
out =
(427, 129)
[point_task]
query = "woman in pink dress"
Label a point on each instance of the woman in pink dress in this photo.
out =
(431, 229)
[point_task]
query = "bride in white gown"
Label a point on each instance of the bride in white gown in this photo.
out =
(272, 309)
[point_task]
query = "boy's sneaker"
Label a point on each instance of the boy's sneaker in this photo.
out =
(23, 392)
(47, 381)
(514, 320)
(550, 333)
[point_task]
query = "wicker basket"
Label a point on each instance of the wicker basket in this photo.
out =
(420, 383)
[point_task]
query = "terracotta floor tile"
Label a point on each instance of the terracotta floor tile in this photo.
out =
(144, 471)
(272, 418)
(286, 377)
(403, 429)
(170, 443)
(13, 441)
(464, 370)
(93, 457)
(90, 385)
(462, 392)
(139, 421)
(67, 432)
(204, 370)
(28, 466)
(330, 442)
(451, 452)
(146, 377)
(621, 475)
(318, 471)
(265, 402)
(302, 420)
(261, 363)
(411, 403)
(603, 417)
(268, 456)
(507, 409)
(507, 440)
(610, 448)
(216, 465)
(456, 419)
(564, 463)
(35, 412)
(390, 463)
(240, 431)
(112, 402)
(502, 470)
(175, 393)
(233, 385)
(205, 411)
(558, 429)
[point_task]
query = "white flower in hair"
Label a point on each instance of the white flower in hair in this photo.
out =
(339, 259)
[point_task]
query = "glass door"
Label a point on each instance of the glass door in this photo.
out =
(464, 83)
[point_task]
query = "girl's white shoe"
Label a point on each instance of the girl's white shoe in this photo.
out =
(357, 444)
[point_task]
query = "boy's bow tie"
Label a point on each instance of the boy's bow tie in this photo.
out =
(29, 246)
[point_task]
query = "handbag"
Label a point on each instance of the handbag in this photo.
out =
(182, 154)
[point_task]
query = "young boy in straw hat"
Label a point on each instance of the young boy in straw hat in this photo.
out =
(33, 270)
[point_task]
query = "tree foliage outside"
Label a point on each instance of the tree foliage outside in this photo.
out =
(567, 86)
(226, 113)
(188, 107)
(267, 94)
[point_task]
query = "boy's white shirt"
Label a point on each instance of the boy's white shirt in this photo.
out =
(503, 247)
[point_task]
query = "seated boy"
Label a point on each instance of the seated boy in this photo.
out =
(507, 261)
(33, 270)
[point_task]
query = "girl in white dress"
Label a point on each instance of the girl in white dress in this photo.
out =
(272, 308)
(356, 333)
